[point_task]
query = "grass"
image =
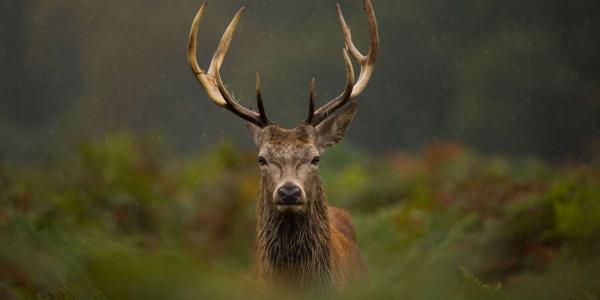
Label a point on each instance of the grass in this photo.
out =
(119, 220)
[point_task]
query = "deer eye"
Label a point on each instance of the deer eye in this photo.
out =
(315, 160)
(262, 161)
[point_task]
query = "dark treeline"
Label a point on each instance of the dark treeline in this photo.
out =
(508, 77)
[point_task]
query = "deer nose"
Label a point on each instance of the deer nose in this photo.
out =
(289, 193)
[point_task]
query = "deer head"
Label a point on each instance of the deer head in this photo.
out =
(289, 158)
(301, 241)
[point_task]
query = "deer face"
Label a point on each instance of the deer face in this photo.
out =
(289, 158)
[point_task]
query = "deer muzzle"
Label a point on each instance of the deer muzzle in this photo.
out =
(289, 197)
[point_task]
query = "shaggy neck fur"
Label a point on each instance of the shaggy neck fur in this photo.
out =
(294, 249)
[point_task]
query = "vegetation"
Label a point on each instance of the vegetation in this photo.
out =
(120, 219)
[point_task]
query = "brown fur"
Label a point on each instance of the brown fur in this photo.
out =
(301, 241)
(316, 250)
(313, 248)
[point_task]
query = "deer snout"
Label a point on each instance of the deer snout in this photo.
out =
(289, 194)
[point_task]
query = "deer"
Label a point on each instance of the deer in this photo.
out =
(301, 241)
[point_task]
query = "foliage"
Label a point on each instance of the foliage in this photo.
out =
(120, 220)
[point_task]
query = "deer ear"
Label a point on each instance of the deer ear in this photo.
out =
(332, 130)
(254, 132)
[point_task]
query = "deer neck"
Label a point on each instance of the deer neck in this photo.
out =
(295, 248)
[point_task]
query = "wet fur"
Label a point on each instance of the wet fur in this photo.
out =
(314, 249)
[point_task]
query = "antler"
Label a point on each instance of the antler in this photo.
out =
(367, 65)
(211, 80)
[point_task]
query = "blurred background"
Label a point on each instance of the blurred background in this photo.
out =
(500, 76)
(471, 170)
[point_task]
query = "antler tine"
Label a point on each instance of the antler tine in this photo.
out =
(259, 102)
(211, 80)
(311, 104)
(209, 87)
(236, 108)
(348, 36)
(192, 60)
(340, 100)
(367, 64)
(217, 60)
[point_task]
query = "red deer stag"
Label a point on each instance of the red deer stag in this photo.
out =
(302, 242)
